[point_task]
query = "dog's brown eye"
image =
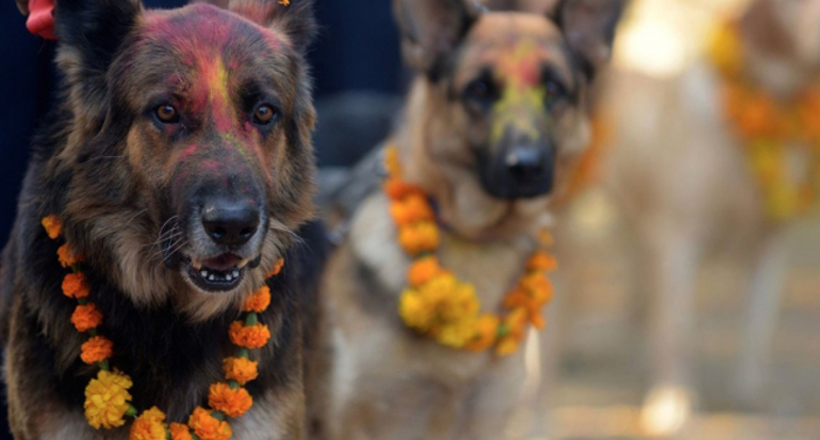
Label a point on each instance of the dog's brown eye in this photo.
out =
(553, 89)
(263, 114)
(167, 114)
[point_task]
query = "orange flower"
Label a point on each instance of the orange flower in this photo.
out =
(486, 332)
(255, 336)
(423, 270)
(67, 257)
(149, 426)
(542, 261)
(276, 269)
(233, 402)
(208, 427)
(180, 432)
(411, 209)
(419, 237)
(96, 349)
(398, 189)
(516, 323)
(53, 226)
(240, 369)
(507, 346)
(74, 285)
(284, 2)
(258, 301)
(86, 317)
(391, 161)
(538, 286)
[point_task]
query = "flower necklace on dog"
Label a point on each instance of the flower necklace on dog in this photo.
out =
(107, 398)
(439, 305)
(768, 127)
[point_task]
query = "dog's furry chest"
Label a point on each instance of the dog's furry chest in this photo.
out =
(378, 266)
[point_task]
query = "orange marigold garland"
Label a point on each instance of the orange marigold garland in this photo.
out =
(107, 403)
(439, 305)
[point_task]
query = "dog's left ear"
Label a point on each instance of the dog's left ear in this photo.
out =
(589, 28)
(294, 18)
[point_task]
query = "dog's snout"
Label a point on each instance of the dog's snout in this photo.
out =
(527, 164)
(230, 222)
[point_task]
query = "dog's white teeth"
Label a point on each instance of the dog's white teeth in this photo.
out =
(236, 274)
(228, 277)
(211, 278)
(204, 273)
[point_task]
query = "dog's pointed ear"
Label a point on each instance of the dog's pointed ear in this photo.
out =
(294, 18)
(589, 28)
(91, 34)
(432, 29)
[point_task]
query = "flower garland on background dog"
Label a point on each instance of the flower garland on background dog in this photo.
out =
(767, 127)
(107, 397)
(439, 305)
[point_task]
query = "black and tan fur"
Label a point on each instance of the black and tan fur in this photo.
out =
(130, 188)
(384, 381)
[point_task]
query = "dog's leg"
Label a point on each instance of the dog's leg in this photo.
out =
(672, 263)
(766, 281)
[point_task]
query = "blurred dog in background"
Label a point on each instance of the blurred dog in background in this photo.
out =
(494, 125)
(727, 153)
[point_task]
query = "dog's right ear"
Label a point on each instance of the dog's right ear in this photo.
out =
(432, 29)
(91, 34)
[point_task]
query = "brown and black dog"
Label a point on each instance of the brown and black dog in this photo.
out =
(494, 125)
(179, 160)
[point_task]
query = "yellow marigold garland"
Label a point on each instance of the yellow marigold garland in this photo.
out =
(107, 400)
(767, 127)
(439, 305)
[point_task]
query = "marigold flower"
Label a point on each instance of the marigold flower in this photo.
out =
(180, 432)
(507, 346)
(284, 2)
(539, 287)
(53, 226)
(241, 370)
(86, 317)
(258, 301)
(149, 426)
(96, 349)
(423, 270)
(207, 427)
(255, 336)
(516, 323)
(456, 334)
(234, 402)
(74, 285)
(67, 257)
(542, 261)
(276, 269)
(106, 399)
(419, 237)
(411, 209)
(391, 161)
(415, 311)
(397, 189)
(486, 332)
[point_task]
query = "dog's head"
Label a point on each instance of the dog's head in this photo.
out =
(191, 142)
(506, 103)
(786, 30)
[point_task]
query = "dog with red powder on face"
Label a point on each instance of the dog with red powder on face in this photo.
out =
(178, 165)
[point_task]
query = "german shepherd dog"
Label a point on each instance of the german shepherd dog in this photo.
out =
(681, 175)
(491, 194)
(179, 160)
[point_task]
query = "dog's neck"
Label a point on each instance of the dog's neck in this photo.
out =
(771, 60)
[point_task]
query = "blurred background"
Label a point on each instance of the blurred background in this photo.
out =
(598, 332)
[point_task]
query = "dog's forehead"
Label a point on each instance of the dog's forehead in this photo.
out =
(201, 28)
(505, 28)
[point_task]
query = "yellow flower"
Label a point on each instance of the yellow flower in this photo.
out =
(207, 427)
(507, 346)
(415, 311)
(233, 402)
(106, 399)
(53, 226)
(241, 370)
(485, 334)
(457, 333)
(149, 426)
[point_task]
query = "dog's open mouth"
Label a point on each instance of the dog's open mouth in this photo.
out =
(219, 274)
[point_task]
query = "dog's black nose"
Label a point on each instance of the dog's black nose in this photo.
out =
(527, 164)
(230, 222)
